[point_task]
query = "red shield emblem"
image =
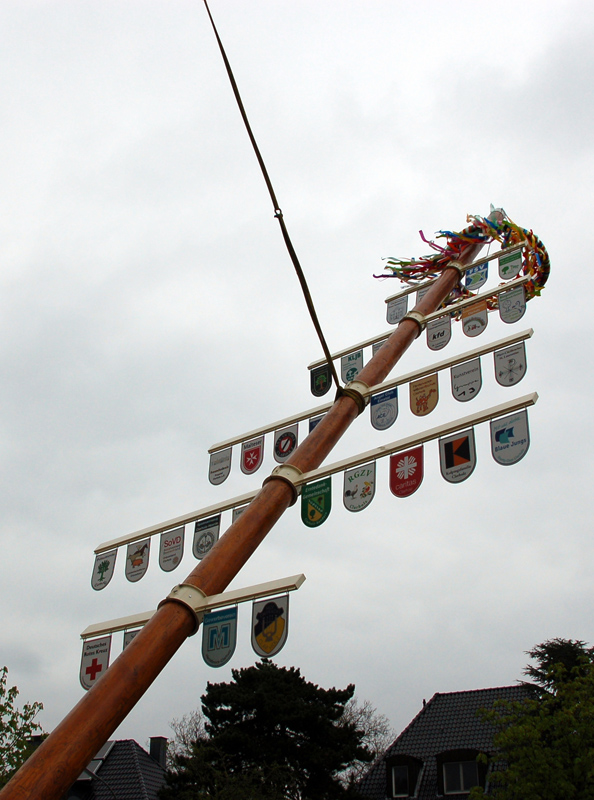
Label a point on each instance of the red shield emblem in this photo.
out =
(251, 455)
(406, 472)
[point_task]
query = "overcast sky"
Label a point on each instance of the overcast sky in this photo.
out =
(149, 310)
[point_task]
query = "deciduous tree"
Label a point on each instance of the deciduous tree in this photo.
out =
(16, 728)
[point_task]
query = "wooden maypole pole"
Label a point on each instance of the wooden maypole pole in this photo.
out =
(59, 760)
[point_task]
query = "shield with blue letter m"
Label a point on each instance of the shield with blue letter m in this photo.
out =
(219, 636)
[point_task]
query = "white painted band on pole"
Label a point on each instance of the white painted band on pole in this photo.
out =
(268, 589)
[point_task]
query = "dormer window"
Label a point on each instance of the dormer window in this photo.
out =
(458, 771)
(402, 774)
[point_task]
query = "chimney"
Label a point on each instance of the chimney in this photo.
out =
(158, 750)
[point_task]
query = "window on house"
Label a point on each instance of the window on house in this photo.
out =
(403, 775)
(460, 776)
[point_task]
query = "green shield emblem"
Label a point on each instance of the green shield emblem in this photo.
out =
(316, 501)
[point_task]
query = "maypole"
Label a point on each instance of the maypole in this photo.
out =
(56, 764)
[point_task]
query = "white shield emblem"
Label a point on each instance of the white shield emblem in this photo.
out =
(251, 455)
(510, 438)
(466, 380)
(359, 487)
(383, 409)
(285, 442)
(94, 661)
(396, 309)
(457, 456)
(137, 559)
(206, 533)
(103, 569)
(220, 466)
(219, 636)
(171, 550)
(510, 364)
(512, 304)
(237, 512)
(475, 318)
(439, 332)
(270, 625)
(351, 365)
(128, 636)
(476, 277)
(377, 346)
(510, 265)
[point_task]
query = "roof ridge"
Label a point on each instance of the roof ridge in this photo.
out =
(485, 689)
(142, 782)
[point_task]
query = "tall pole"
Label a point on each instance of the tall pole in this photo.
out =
(60, 759)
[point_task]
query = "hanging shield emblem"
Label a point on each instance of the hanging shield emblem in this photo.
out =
(220, 466)
(128, 636)
(512, 305)
(171, 550)
(510, 364)
(94, 661)
(396, 309)
(206, 533)
(383, 409)
(439, 332)
(359, 487)
(285, 442)
(510, 265)
(457, 456)
(103, 569)
(270, 625)
(316, 502)
(351, 365)
(476, 277)
(475, 318)
(313, 421)
(237, 512)
(320, 380)
(252, 453)
(466, 380)
(406, 471)
(424, 395)
(137, 559)
(510, 438)
(219, 636)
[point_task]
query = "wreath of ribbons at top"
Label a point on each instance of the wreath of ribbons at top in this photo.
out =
(496, 227)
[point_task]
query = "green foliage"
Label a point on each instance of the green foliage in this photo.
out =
(16, 729)
(545, 743)
(269, 735)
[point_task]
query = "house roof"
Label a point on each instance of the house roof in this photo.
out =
(125, 771)
(449, 721)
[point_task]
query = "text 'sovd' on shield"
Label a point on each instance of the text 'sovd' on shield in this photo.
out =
(94, 661)
(457, 456)
(206, 533)
(424, 395)
(316, 502)
(510, 438)
(406, 471)
(103, 569)
(137, 559)
(359, 487)
(252, 453)
(219, 636)
(171, 550)
(270, 625)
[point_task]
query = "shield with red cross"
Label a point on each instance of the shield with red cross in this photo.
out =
(251, 455)
(94, 661)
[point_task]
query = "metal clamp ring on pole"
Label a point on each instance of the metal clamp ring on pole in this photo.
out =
(190, 596)
(458, 266)
(417, 317)
(289, 475)
(357, 391)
